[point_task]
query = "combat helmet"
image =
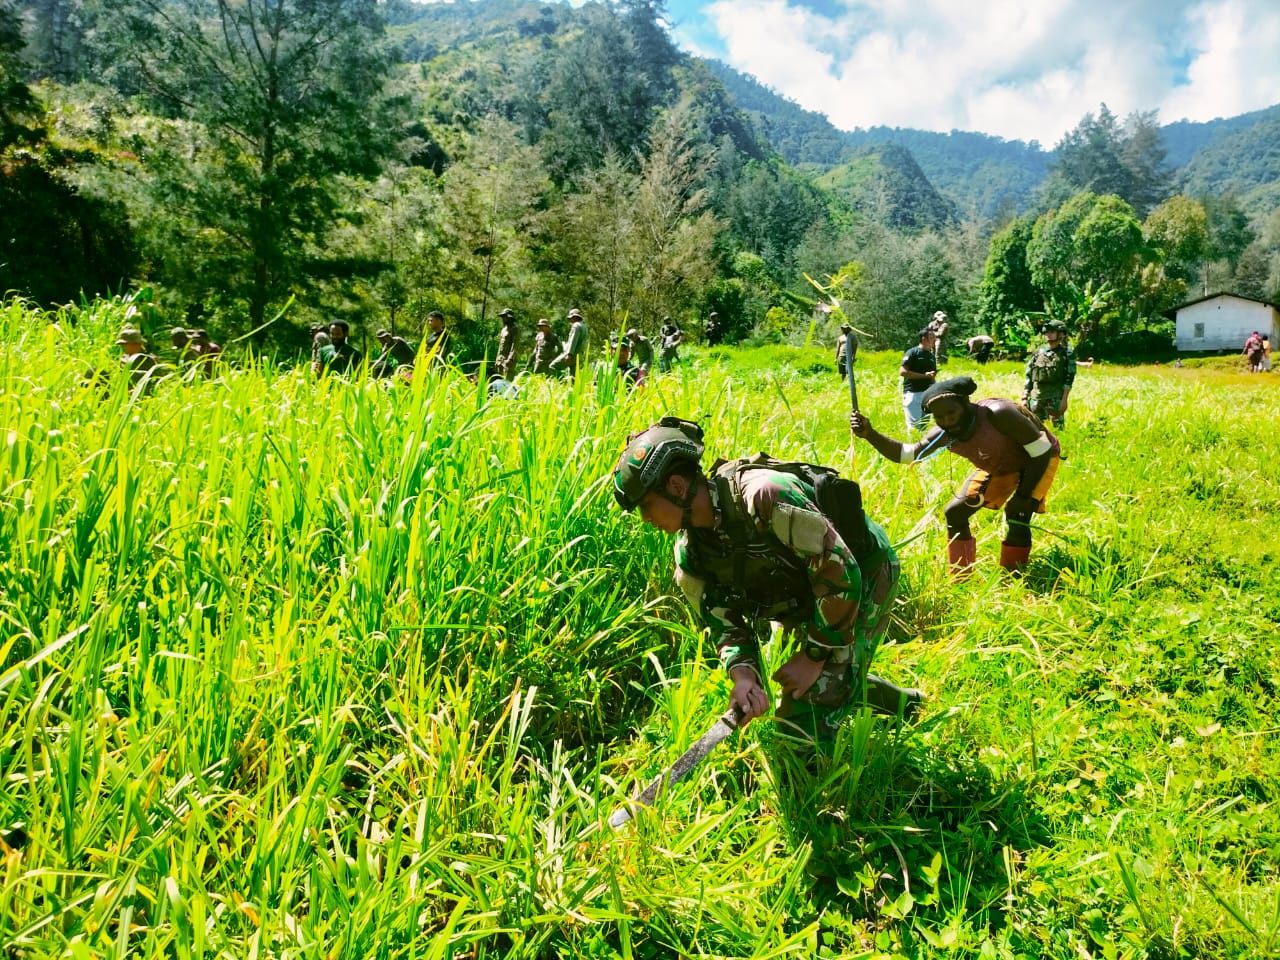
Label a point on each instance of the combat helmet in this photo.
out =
(651, 455)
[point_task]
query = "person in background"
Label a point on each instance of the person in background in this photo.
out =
(436, 344)
(396, 352)
(180, 337)
(846, 350)
(206, 352)
(142, 365)
(508, 345)
(319, 340)
(339, 356)
(1266, 353)
(941, 327)
(1015, 458)
(576, 345)
(670, 344)
(918, 370)
(546, 347)
(711, 329)
(641, 352)
(980, 347)
(1051, 372)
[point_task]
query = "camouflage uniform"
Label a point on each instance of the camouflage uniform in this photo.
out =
(641, 350)
(667, 350)
(575, 345)
(546, 347)
(1050, 373)
(508, 340)
(783, 561)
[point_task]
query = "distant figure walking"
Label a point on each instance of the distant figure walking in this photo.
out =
(667, 349)
(1253, 351)
(940, 327)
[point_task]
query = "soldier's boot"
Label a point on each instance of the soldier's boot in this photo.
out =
(887, 698)
(962, 554)
(1014, 558)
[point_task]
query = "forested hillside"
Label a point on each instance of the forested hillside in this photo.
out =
(258, 171)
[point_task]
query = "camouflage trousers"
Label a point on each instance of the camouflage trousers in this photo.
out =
(1044, 404)
(841, 686)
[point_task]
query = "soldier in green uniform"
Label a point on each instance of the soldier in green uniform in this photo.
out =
(143, 365)
(576, 345)
(546, 347)
(1051, 370)
(754, 547)
(397, 353)
(641, 351)
(508, 342)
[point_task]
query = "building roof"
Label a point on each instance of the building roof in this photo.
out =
(1221, 293)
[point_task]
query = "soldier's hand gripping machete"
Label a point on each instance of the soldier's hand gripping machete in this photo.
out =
(681, 768)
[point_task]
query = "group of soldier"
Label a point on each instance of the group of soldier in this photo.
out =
(196, 354)
(633, 354)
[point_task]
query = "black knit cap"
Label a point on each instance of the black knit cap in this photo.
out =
(962, 388)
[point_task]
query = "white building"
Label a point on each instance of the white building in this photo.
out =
(1223, 321)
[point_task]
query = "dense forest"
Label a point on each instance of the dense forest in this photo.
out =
(256, 170)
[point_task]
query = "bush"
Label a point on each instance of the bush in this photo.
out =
(1135, 346)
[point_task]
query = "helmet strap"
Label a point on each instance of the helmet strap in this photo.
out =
(685, 504)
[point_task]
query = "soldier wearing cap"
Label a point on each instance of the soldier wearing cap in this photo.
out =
(508, 343)
(397, 352)
(846, 349)
(207, 353)
(135, 358)
(180, 337)
(939, 325)
(574, 351)
(546, 347)
(1051, 371)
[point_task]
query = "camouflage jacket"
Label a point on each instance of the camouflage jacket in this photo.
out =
(508, 339)
(1050, 371)
(546, 347)
(784, 563)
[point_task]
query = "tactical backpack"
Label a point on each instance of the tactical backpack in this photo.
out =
(838, 499)
(751, 571)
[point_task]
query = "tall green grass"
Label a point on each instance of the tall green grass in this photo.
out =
(331, 669)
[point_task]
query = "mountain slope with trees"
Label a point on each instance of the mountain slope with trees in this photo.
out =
(391, 158)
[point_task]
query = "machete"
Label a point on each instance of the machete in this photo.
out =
(683, 766)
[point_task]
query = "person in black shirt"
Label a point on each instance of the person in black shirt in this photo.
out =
(919, 370)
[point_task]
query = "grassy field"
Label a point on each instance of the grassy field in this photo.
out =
(299, 669)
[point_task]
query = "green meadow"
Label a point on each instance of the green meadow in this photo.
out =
(338, 670)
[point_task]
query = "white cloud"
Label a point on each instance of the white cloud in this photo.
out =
(1007, 67)
(1237, 65)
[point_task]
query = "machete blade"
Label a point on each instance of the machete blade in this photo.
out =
(684, 764)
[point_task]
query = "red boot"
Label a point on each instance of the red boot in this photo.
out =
(1014, 558)
(962, 554)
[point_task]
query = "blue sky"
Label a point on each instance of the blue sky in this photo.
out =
(1019, 69)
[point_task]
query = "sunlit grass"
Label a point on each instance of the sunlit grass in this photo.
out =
(299, 668)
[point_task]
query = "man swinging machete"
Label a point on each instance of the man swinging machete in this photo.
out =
(761, 541)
